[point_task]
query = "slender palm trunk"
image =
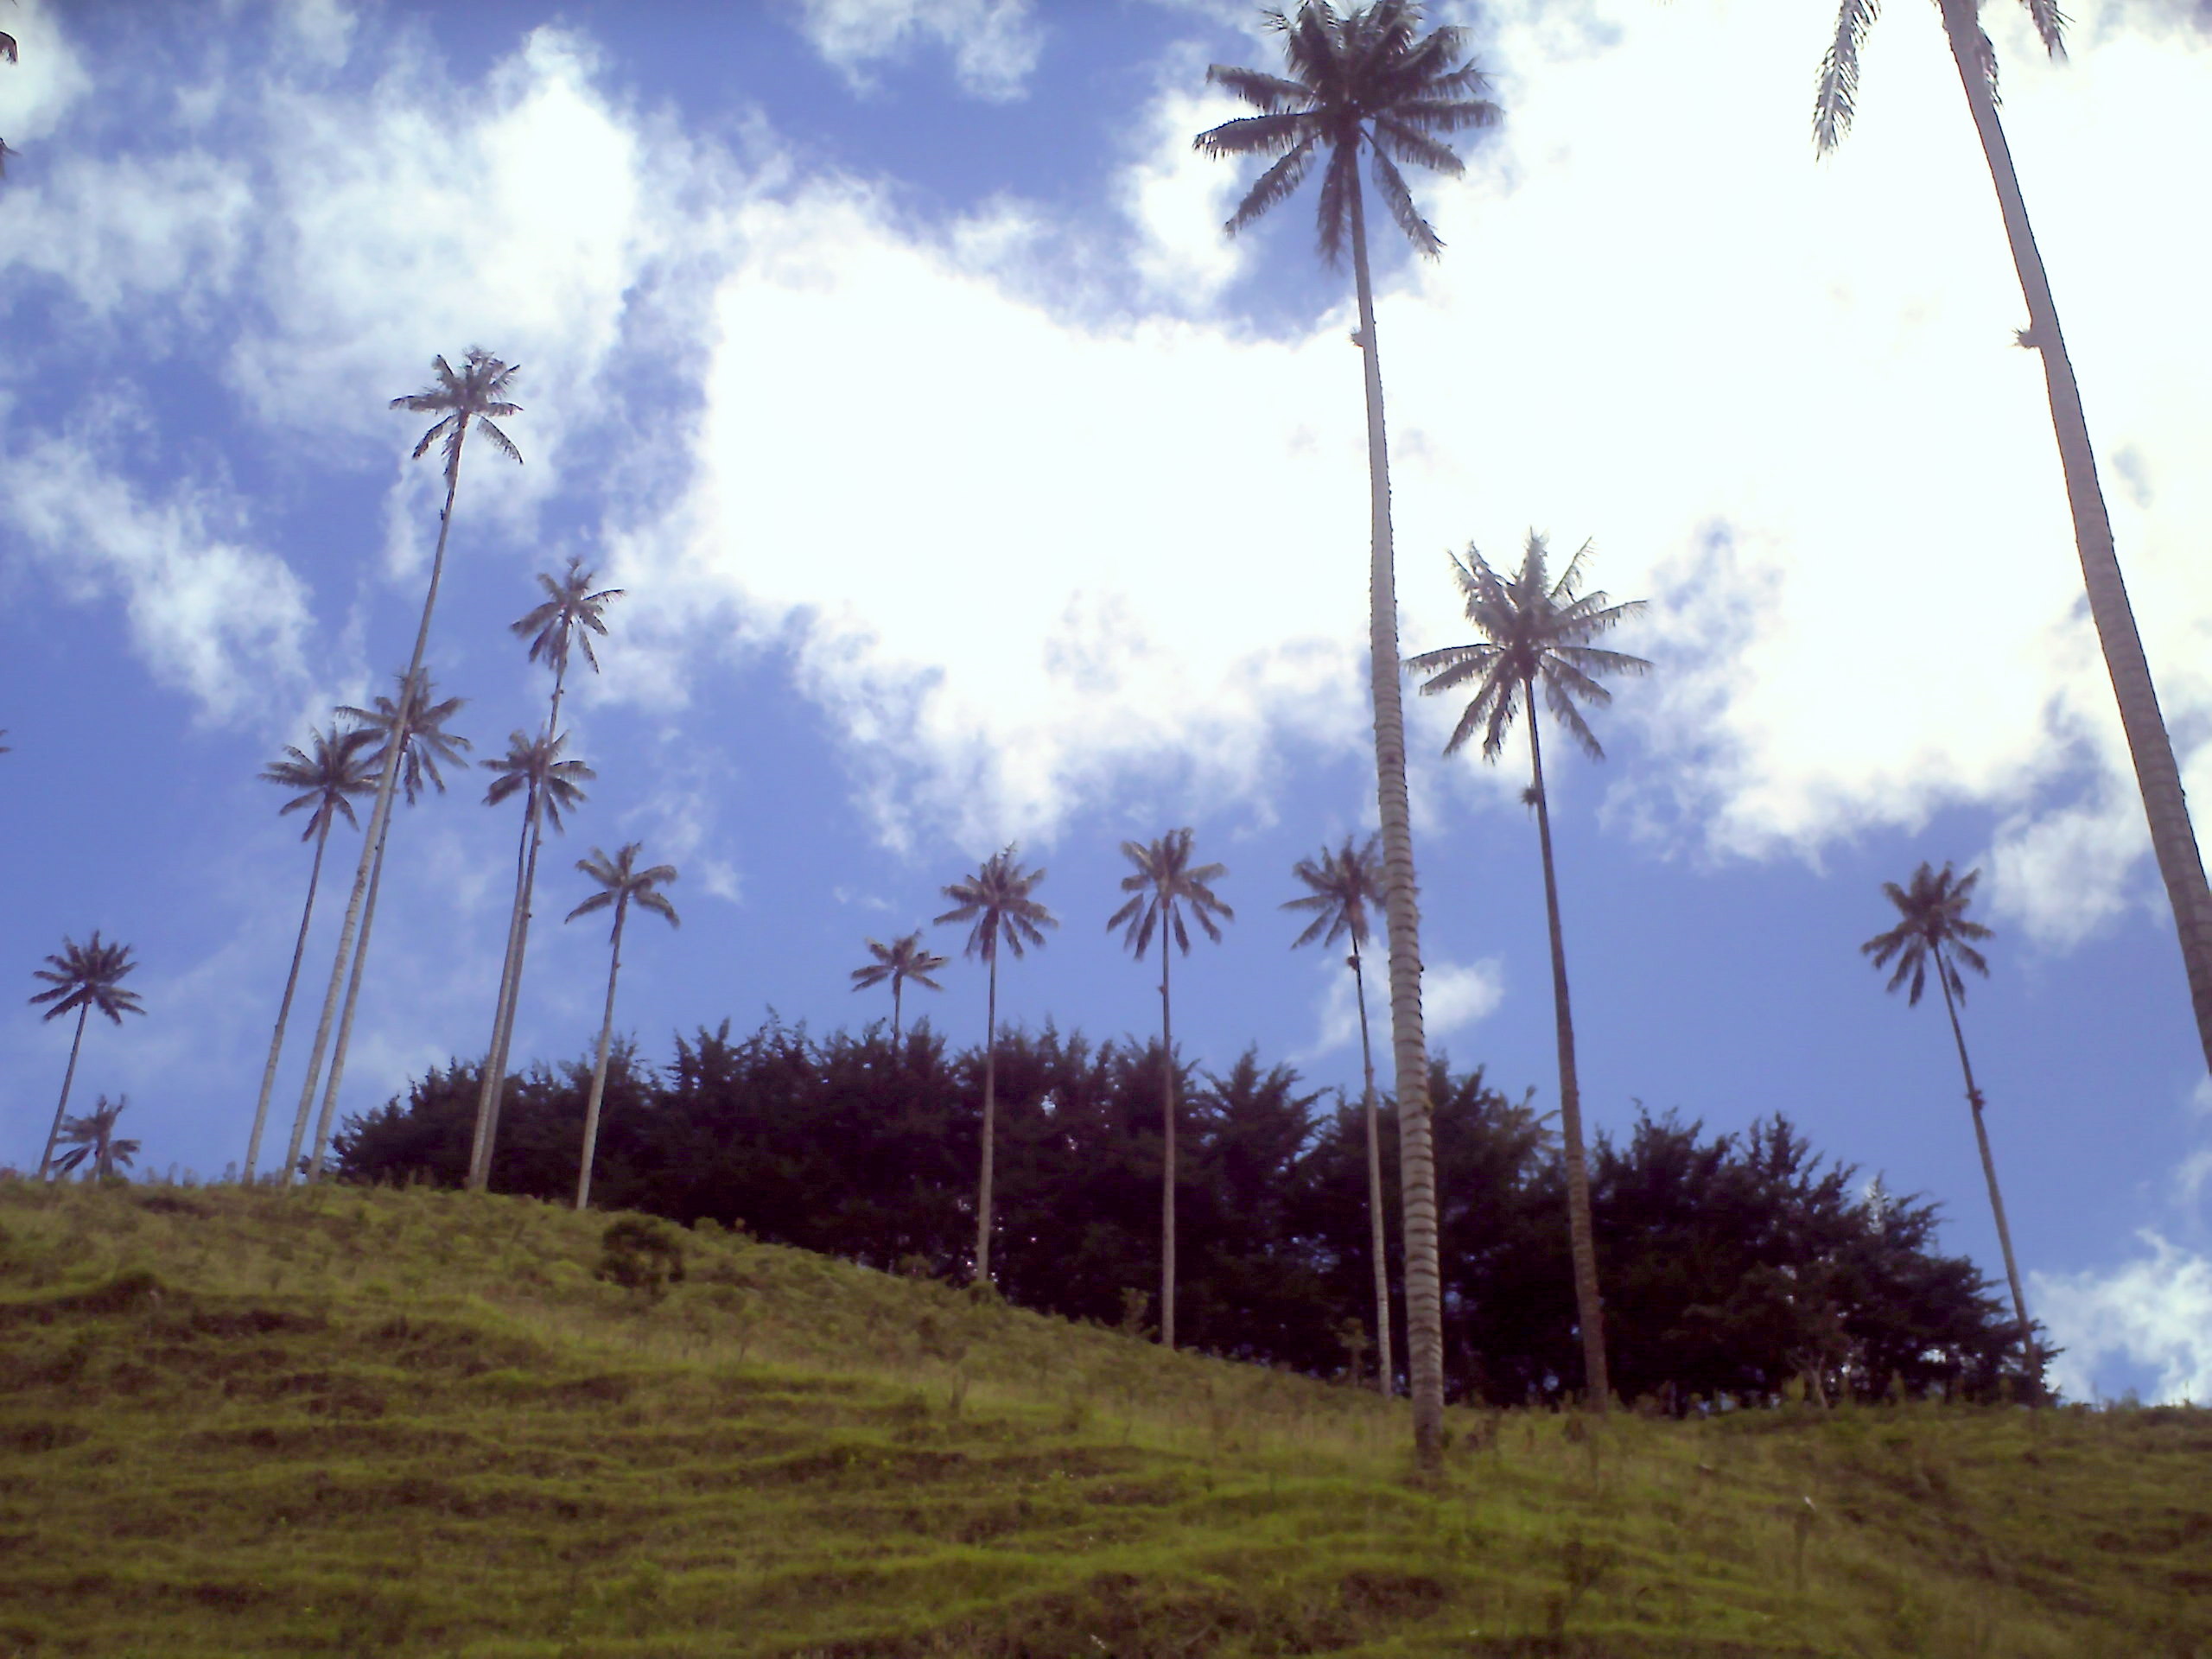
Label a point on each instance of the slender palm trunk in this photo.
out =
(379, 820)
(1409, 1044)
(345, 1021)
(1167, 1155)
(1386, 1375)
(1589, 1308)
(284, 1007)
(69, 1077)
(896, 1033)
(599, 1067)
(990, 1102)
(2172, 839)
(1988, 1169)
(494, 1053)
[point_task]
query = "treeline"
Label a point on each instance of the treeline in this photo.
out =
(1734, 1265)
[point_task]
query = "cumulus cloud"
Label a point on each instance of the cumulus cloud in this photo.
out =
(994, 43)
(1453, 996)
(2155, 1312)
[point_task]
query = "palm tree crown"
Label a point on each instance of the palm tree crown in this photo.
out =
(338, 769)
(534, 763)
(1933, 926)
(1837, 101)
(93, 1136)
(569, 614)
(471, 397)
(622, 883)
(1364, 77)
(1166, 890)
(424, 737)
(1347, 884)
(904, 958)
(1532, 634)
(996, 899)
(89, 977)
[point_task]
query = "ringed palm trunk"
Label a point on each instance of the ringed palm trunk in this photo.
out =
(1408, 1043)
(1589, 1309)
(379, 821)
(990, 1102)
(599, 1067)
(284, 1007)
(2172, 839)
(69, 1077)
(345, 1021)
(1386, 1375)
(897, 1030)
(1989, 1171)
(1167, 1158)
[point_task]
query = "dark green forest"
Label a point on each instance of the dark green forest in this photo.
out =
(1738, 1269)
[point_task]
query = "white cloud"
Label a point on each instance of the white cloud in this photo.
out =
(1178, 199)
(2155, 1311)
(993, 43)
(1453, 996)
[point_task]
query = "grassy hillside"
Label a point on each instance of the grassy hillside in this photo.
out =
(384, 1422)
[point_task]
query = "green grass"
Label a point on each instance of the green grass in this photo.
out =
(379, 1422)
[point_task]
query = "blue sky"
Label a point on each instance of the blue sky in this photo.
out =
(968, 485)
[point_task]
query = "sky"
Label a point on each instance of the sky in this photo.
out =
(967, 486)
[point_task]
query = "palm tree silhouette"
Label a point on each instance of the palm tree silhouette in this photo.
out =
(569, 615)
(902, 959)
(84, 977)
(336, 770)
(2181, 865)
(1367, 80)
(621, 884)
(1346, 885)
(996, 899)
(93, 1136)
(411, 743)
(464, 400)
(1933, 931)
(1165, 890)
(1534, 632)
(550, 784)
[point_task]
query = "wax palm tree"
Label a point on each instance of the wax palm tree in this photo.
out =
(1933, 931)
(1165, 890)
(1534, 632)
(996, 899)
(338, 770)
(2159, 779)
(549, 785)
(1345, 886)
(93, 1137)
(1367, 80)
(569, 615)
(411, 744)
(474, 398)
(902, 959)
(84, 977)
(621, 884)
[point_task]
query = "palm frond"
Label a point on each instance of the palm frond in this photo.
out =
(1273, 185)
(1837, 101)
(2050, 25)
(1270, 94)
(1390, 186)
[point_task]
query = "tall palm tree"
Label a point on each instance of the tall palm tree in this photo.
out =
(1345, 885)
(84, 977)
(473, 398)
(326, 779)
(569, 614)
(1367, 80)
(1165, 889)
(411, 744)
(550, 784)
(902, 959)
(1535, 631)
(1933, 931)
(621, 884)
(2172, 839)
(93, 1136)
(996, 899)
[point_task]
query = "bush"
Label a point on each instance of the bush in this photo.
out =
(641, 1255)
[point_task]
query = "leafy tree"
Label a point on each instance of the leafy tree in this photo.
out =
(326, 781)
(472, 398)
(84, 977)
(549, 785)
(411, 743)
(1934, 930)
(93, 1137)
(1165, 889)
(997, 900)
(1536, 632)
(1368, 79)
(1345, 885)
(904, 958)
(567, 617)
(2159, 779)
(621, 884)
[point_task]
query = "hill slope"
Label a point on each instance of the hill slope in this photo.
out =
(354, 1421)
